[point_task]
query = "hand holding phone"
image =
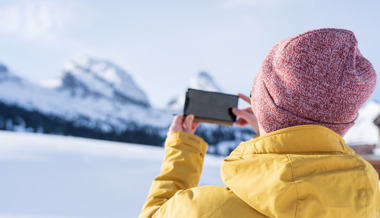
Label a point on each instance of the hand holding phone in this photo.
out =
(246, 115)
(211, 107)
(184, 124)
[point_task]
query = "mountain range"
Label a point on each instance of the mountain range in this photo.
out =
(97, 99)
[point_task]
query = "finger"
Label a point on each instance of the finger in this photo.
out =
(235, 111)
(242, 118)
(248, 109)
(238, 122)
(241, 122)
(244, 97)
(243, 113)
(245, 118)
(187, 125)
(194, 126)
(238, 112)
(176, 124)
(178, 119)
(195, 123)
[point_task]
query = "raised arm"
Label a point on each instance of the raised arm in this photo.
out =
(182, 165)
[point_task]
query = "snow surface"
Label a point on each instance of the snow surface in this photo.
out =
(56, 176)
(365, 132)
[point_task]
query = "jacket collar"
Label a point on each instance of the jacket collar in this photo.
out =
(278, 172)
(293, 140)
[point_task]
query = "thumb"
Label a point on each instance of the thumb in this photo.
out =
(187, 125)
(240, 113)
(176, 124)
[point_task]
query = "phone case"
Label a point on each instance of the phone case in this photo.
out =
(211, 107)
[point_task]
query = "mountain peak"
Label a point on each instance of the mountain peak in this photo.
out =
(3, 69)
(102, 69)
(6, 75)
(87, 76)
(204, 81)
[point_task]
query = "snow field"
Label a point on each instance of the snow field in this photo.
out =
(56, 176)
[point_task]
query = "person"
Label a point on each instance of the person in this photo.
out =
(304, 99)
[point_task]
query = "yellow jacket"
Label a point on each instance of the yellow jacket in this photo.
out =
(302, 171)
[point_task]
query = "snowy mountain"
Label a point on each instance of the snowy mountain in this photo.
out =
(202, 81)
(99, 91)
(87, 77)
(6, 76)
(97, 99)
(92, 99)
(3, 70)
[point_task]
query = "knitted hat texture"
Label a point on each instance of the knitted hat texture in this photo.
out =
(318, 77)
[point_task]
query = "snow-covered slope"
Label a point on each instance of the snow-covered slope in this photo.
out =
(202, 81)
(96, 94)
(6, 76)
(55, 176)
(3, 70)
(87, 77)
(365, 132)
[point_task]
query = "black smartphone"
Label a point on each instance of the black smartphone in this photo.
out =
(210, 107)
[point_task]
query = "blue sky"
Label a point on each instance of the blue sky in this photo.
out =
(163, 43)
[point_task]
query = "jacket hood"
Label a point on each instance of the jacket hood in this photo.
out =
(300, 171)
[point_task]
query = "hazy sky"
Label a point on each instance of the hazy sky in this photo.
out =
(163, 43)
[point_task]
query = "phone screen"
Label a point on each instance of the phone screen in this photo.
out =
(211, 107)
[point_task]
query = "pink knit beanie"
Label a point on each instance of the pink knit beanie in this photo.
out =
(318, 77)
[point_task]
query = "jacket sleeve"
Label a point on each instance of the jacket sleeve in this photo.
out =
(180, 170)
